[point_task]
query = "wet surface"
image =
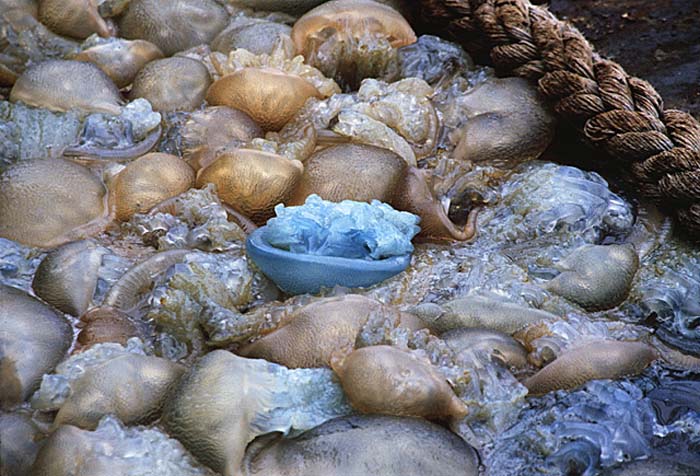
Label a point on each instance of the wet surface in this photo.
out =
(655, 40)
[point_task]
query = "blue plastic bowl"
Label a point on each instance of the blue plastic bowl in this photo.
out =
(297, 273)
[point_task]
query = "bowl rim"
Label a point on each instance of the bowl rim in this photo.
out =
(256, 240)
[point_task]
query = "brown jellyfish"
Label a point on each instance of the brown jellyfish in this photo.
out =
(173, 25)
(61, 85)
(132, 387)
(384, 380)
(596, 277)
(314, 332)
(350, 40)
(48, 202)
(67, 276)
(508, 122)
(351, 172)
(106, 324)
(207, 131)
(252, 181)
(270, 96)
(120, 59)
(417, 196)
(33, 340)
(149, 180)
(21, 439)
(257, 36)
(480, 311)
(497, 345)
(591, 361)
(365, 444)
(74, 18)
(363, 173)
(172, 84)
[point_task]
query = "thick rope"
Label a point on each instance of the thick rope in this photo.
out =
(615, 112)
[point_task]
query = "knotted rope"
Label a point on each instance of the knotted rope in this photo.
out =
(615, 112)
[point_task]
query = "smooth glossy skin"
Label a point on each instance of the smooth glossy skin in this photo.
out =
(416, 195)
(481, 312)
(33, 340)
(252, 181)
(21, 440)
(67, 276)
(106, 324)
(271, 97)
(351, 16)
(121, 60)
(366, 445)
(501, 347)
(212, 408)
(61, 85)
(591, 361)
(132, 387)
(259, 37)
(149, 180)
(297, 273)
(173, 25)
(351, 172)
(74, 18)
(364, 173)
(385, 380)
(314, 332)
(208, 131)
(596, 277)
(172, 84)
(507, 123)
(46, 203)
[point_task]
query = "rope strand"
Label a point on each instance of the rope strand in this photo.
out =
(617, 113)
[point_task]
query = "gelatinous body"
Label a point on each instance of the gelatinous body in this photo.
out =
(499, 346)
(33, 340)
(106, 324)
(507, 123)
(596, 277)
(256, 36)
(225, 401)
(271, 97)
(352, 39)
(252, 181)
(124, 295)
(173, 25)
(131, 387)
(172, 84)
(75, 18)
(351, 172)
(385, 380)
(479, 311)
(21, 440)
(591, 361)
(67, 276)
(208, 131)
(120, 59)
(315, 331)
(367, 445)
(61, 85)
(46, 203)
(149, 180)
(113, 449)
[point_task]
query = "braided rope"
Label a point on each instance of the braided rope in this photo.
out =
(615, 112)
